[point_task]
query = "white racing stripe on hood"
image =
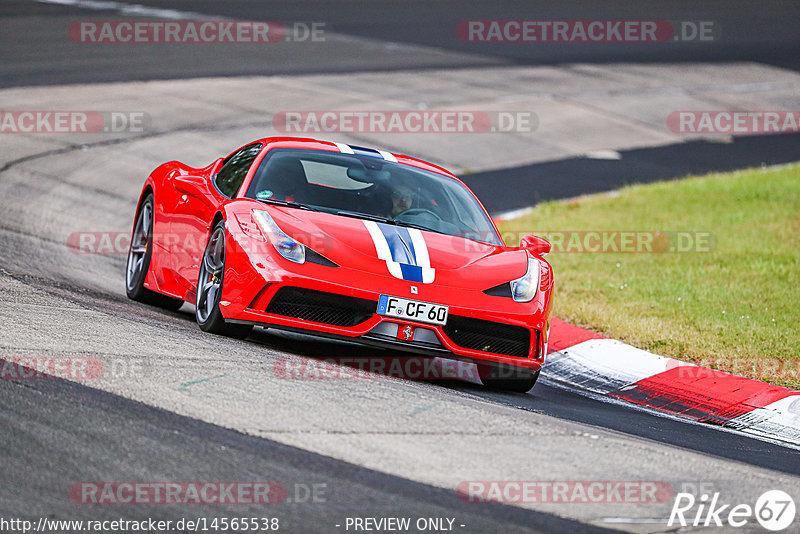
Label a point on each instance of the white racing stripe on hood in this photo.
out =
(423, 259)
(417, 267)
(382, 248)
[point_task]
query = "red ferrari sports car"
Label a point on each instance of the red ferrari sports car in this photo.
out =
(345, 242)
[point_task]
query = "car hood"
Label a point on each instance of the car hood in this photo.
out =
(401, 252)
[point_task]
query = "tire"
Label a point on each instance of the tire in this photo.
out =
(509, 380)
(138, 263)
(209, 289)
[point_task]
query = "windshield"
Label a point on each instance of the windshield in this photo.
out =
(363, 186)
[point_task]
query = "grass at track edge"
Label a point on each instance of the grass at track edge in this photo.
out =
(719, 284)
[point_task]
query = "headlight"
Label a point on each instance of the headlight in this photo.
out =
(287, 247)
(523, 289)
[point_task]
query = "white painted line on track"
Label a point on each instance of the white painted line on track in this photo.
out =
(128, 9)
(604, 154)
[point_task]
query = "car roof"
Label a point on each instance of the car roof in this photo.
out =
(331, 146)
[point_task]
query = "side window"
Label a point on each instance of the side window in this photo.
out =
(231, 175)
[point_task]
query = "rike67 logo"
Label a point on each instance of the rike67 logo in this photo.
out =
(774, 510)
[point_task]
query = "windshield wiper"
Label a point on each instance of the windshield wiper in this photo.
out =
(419, 227)
(388, 220)
(287, 203)
(367, 216)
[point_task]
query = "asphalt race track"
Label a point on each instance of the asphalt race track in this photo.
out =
(751, 33)
(576, 176)
(174, 404)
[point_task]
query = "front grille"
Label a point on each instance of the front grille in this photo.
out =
(488, 336)
(321, 307)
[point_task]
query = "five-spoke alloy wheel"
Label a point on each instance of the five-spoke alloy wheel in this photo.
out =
(139, 254)
(209, 288)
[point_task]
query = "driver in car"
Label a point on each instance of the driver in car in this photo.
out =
(402, 199)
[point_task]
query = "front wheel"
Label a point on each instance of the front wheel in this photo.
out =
(513, 380)
(139, 254)
(209, 289)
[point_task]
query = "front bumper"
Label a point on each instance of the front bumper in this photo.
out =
(482, 332)
(483, 328)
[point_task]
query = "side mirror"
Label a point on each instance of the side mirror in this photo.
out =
(535, 244)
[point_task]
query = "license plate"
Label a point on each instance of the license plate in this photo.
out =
(413, 310)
